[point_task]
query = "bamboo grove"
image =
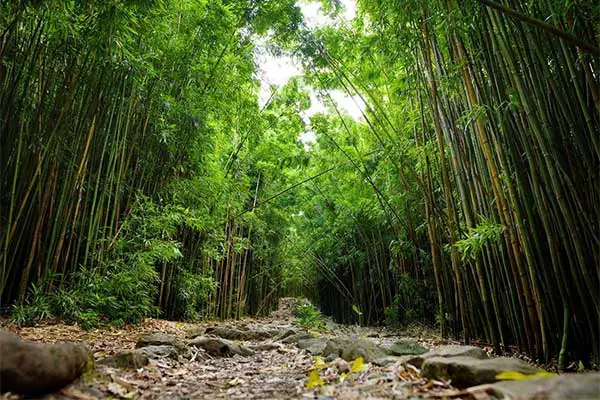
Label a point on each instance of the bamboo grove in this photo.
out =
(139, 175)
(118, 127)
(487, 114)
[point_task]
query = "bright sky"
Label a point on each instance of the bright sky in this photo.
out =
(278, 70)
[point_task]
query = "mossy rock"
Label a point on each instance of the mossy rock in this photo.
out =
(563, 387)
(407, 348)
(352, 348)
(468, 371)
(37, 368)
(220, 347)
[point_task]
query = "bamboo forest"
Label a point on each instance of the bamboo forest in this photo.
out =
(284, 178)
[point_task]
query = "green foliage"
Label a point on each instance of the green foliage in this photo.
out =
(192, 294)
(414, 302)
(36, 308)
(485, 233)
(309, 316)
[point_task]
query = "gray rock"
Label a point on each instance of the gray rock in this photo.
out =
(195, 332)
(298, 337)
(37, 368)
(285, 333)
(220, 347)
(468, 371)
(407, 348)
(351, 348)
(314, 346)
(388, 360)
(265, 346)
(231, 333)
(448, 352)
(161, 339)
(130, 359)
(563, 387)
(156, 352)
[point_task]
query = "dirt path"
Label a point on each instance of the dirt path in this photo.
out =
(276, 369)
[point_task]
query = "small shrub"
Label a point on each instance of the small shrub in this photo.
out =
(392, 316)
(35, 308)
(309, 316)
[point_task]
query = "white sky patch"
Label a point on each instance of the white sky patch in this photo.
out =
(279, 69)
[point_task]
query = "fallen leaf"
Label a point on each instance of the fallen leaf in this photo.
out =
(318, 363)
(359, 365)
(518, 376)
(117, 389)
(314, 380)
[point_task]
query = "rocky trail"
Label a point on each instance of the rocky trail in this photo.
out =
(272, 358)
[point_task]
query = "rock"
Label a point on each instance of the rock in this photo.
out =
(264, 347)
(156, 352)
(314, 346)
(36, 368)
(352, 348)
(161, 339)
(388, 360)
(468, 371)
(284, 334)
(220, 347)
(195, 332)
(130, 359)
(298, 337)
(231, 333)
(563, 387)
(342, 366)
(407, 348)
(447, 352)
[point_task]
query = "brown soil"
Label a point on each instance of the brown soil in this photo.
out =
(279, 371)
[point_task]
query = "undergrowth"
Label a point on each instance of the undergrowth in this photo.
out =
(309, 316)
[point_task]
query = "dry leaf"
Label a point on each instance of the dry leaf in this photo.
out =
(359, 365)
(314, 380)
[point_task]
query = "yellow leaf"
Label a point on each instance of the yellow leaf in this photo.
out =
(359, 365)
(314, 380)
(518, 376)
(343, 377)
(319, 363)
(580, 367)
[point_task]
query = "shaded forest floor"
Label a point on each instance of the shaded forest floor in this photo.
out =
(275, 370)
(276, 358)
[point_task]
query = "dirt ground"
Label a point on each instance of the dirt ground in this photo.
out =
(275, 371)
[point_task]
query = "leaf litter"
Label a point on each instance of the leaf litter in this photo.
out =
(276, 370)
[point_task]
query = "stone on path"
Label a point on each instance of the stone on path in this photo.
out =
(160, 339)
(231, 333)
(563, 387)
(284, 334)
(448, 352)
(388, 360)
(469, 371)
(406, 348)
(129, 359)
(295, 338)
(351, 348)
(162, 351)
(36, 368)
(220, 347)
(314, 346)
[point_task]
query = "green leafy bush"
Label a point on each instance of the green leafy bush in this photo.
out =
(192, 293)
(36, 308)
(309, 316)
